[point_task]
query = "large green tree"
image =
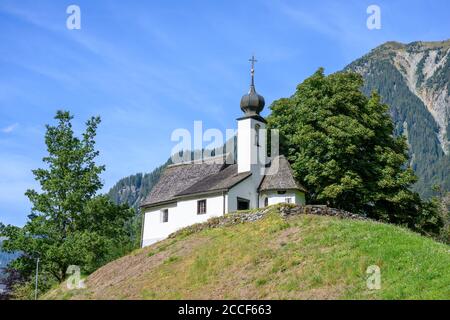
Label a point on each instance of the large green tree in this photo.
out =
(69, 224)
(342, 148)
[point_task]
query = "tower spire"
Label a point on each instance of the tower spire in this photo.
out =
(252, 103)
(252, 71)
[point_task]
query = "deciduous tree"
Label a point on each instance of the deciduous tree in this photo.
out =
(69, 223)
(342, 148)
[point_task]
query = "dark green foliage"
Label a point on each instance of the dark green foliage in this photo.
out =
(133, 189)
(341, 147)
(69, 223)
(5, 257)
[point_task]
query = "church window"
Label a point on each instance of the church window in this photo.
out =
(266, 201)
(257, 127)
(201, 206)
(164, 215)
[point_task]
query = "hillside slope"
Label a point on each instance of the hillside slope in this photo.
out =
(414, 79)
(298, 257)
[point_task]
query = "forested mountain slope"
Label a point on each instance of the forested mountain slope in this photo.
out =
(414, 79)
(134, 188)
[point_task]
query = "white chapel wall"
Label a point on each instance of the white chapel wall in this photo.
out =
(295, 196)
(245, 189)
(182, 214)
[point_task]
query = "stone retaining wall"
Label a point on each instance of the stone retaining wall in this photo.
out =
(285, 210)
(320, 210)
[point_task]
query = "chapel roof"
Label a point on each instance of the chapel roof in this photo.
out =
(177, 178)
(281, 178)
(220, 181)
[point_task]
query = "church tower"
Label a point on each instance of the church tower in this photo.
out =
(251, 150)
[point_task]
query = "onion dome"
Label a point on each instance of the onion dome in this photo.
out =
(252, 103)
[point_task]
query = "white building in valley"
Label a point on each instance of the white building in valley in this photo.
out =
(193, 192)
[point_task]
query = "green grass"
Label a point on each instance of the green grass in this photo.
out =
(304, 257)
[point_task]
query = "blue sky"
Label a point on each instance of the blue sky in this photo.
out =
(150, 67)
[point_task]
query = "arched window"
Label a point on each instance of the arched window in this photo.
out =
(266, 201)
(257, 127)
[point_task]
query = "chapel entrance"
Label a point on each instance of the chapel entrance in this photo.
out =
(243, 204)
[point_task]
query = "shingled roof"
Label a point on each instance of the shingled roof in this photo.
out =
(177, 178)
(282, 179)
(188, 179)
(221, 181)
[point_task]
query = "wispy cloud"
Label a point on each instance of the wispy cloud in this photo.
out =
(37, 18)
(311, 20)
(10, 128)
(343, 24)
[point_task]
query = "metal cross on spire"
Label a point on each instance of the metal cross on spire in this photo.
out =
(252, 71)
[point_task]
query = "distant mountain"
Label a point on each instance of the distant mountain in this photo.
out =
(414, 79)
(134, 188)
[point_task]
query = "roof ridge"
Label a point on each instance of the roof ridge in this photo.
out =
(207, 160)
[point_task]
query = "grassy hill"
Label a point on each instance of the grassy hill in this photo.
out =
(298, 257)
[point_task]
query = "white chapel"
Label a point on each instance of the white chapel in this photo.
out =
(193, 192)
